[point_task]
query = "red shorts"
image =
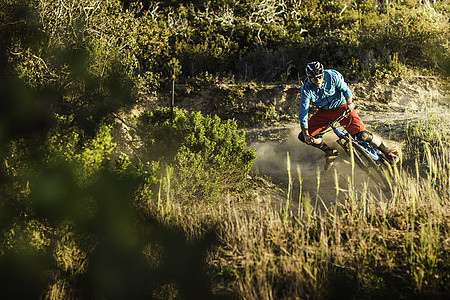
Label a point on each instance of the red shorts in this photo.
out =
(321, 118)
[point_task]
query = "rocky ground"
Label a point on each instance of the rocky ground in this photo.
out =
(268, 114)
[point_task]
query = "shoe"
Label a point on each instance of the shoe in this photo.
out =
(390, 154)
(330, 157)
(392, 158)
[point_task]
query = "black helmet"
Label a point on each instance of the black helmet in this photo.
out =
(314, 68)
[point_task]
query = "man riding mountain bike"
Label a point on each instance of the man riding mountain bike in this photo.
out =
(328, 91)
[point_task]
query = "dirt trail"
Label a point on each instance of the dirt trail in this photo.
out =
(275, 145)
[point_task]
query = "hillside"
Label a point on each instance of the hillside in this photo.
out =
(268, 115)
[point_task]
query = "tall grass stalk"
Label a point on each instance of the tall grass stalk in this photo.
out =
(317, 189)
(289, 189)
(164, 182)
(336, 184)
(168, 175)
(159, 205)
(352, 163)
(300, 198)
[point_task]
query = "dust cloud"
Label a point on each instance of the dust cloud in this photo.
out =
(272, 157)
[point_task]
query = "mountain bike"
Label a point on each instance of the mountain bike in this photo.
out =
(370, 160)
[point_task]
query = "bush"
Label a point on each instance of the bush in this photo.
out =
(208, 157)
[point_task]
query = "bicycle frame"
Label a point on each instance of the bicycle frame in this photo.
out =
(374, 154)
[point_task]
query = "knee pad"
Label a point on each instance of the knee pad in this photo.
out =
(364, 136)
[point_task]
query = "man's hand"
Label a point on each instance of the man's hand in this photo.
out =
(306, 136)
(308, 139)
(351, 106)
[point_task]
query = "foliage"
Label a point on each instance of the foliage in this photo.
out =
(262, 40)
(68, 217)
(89, 55)
(431, 129)
(131, 44)
(74, 215)
(174, 67)
(428, 143)
(209, 157)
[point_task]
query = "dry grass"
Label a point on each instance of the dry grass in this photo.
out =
(309, 252)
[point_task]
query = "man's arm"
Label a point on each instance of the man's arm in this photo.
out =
(342, 86)
(303, 115)
(304, 107)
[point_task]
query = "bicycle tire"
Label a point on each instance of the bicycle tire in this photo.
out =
(365, 162)
(368, 165)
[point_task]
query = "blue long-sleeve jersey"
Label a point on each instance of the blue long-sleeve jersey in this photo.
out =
(331, 95)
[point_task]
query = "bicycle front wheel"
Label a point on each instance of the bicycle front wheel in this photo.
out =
(369, 165)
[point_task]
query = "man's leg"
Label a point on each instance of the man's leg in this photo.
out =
(378, 143)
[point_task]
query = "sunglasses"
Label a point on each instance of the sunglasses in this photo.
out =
(318, 77)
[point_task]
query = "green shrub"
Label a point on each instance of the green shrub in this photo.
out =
(208, 156)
